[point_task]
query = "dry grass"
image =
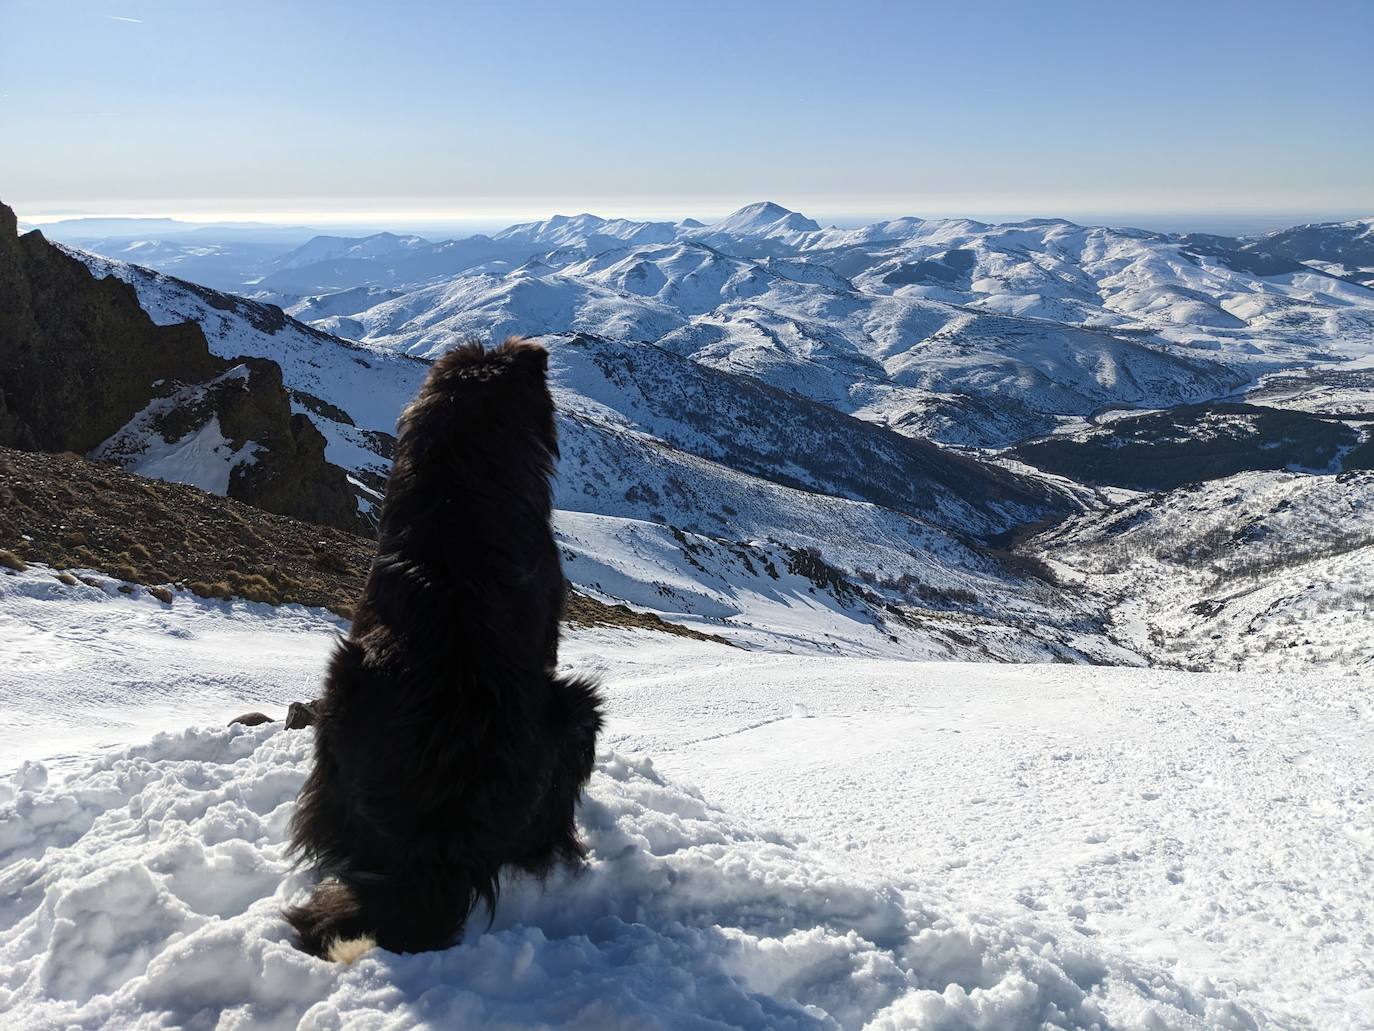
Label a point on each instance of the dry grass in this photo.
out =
(70, 513)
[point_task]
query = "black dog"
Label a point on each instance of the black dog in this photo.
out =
(446, 746)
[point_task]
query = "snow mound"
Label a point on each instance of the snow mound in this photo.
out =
(146, 891)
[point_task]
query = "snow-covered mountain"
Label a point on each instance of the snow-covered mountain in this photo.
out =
(1261, 570)
(874, 536)
(753, 412)
(914, 323)
(587, 232)
(763, 220)
(1340, 248)
(334, 248)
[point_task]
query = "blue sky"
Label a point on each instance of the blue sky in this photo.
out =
(493, 108)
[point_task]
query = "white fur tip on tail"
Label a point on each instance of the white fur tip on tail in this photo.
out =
(349, 950)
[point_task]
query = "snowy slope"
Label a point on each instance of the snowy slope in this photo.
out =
(901, 560)
(737, 422)
(342, 302)
(202, 457)
(89, 667)
(1264, 571)
(938, 600)
(899, 844)
(1215, 824)
(363, 389)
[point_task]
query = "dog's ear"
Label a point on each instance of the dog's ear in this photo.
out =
(526, 355)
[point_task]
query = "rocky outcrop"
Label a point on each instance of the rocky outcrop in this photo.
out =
(84, 369)
(290, 474)
(78, 356)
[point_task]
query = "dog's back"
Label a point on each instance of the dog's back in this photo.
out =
(446, 746)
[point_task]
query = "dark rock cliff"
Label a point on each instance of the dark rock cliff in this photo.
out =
(81, 362)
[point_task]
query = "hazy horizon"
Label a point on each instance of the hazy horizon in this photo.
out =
(455, 222)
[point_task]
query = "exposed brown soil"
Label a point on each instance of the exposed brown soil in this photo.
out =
(70, 513)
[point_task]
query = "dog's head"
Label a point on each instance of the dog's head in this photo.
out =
(472, 392)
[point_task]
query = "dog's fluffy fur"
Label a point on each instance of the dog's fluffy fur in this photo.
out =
(447, 747)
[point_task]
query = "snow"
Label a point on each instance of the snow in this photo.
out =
(88, 667)
(158, 905)
(1216, 825)
(202, 457)
(897, 320)
(746, 590)
(1266, 571)
(776, 840)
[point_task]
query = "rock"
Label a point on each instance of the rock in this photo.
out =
(78, 356)
(81, 362)
(252, 719)
(302, 714)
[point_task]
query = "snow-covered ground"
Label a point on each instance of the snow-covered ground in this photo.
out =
(1264, 571)
(897, 844)
(87, 667)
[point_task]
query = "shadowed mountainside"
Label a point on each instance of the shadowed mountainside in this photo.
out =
(83, 368)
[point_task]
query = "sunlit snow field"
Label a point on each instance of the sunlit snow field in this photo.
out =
(777, 840)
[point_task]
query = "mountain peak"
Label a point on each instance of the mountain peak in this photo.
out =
(764, 218)
(768, 209)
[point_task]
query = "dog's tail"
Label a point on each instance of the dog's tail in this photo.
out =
(410, 911)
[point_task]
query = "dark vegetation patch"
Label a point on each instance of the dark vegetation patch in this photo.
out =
(1254, 263)
(1349, 244)
(1193, 443)
(70, 513)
